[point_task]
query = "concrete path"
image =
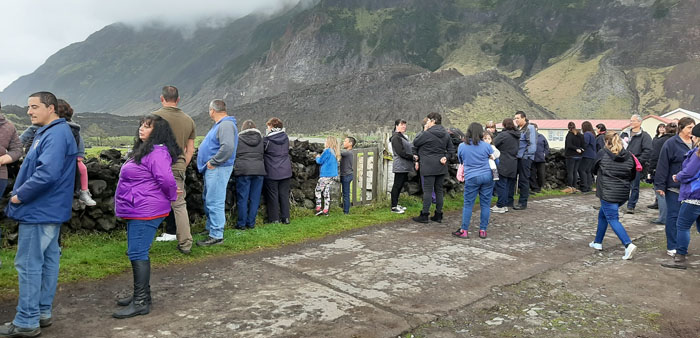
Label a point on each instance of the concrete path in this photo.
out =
(375, 282)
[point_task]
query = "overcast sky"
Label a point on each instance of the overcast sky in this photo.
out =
(33, 30)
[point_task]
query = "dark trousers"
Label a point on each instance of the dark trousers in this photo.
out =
(584, 172)
(345, 185)
(524, 180)
(399, 180)
(432, 183)
(170, 227)
(572, 164)
(634, 191)
(277, 199)
(506, 190)
(537, 175)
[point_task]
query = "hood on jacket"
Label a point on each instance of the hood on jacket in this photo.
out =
(252, 137)
(73, 125)
(513, 133)
(620, 157)
(277, 137)
(438, 130)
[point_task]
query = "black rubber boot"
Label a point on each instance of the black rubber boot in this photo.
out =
(141, 302)
(437, 217)
(127, 300)
(423, 218)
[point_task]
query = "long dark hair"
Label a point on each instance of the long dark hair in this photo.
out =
(161, 134)
(586, 127)
(508, 124)
(474, 134)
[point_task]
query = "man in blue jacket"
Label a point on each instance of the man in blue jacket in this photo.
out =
(526, 154)
(537, 171)
(41, 201)
(215, 161)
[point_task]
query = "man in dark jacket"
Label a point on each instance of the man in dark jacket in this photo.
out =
(537, 172)
(526, 154)
(640, 146)
(41, 201)
(215, 160)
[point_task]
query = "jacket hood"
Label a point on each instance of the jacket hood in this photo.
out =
(251, 137)
(513, 133)
(73, 125)
(277, 137)
(620, 157)
(438, 130)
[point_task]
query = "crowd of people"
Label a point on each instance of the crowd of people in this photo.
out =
(151, 184)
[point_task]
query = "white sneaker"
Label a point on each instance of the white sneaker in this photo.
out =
(671, 253)
(499, 210)
(397, 210)
(597, 246)
(86, 197)
(629, 251)
(166, 238)
(401, 207)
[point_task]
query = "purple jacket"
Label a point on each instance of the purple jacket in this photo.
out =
(145, 190)
(278, 165)
(688, 177)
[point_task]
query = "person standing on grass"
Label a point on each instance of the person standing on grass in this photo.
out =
(183, 128)
(41, 201)
(278, 166)
(538, 173)
(689, 212)
(656, 144)
(215, 160)
(639, 145)
(65, 111)
(10, 151)
(431, 149)
(402, 163)
(616, 168)
(507, 143)
(475, 154)
(670, 163)
(587, 157)
(526, 154)
(250, 172)
(328, 160)
(346, 173)
(145, 190)
(573, 151)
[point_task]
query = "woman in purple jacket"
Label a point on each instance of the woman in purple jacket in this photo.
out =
(144, 192)
(689, 213)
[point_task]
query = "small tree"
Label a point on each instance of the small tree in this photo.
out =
(97, 132)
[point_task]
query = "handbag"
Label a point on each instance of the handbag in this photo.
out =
(636, 162)
(460, 172)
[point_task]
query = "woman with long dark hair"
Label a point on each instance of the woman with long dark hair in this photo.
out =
(587, 157)
(145, 190)
(474, 155)
(402, 163)
(616, 169)
(507, 143)
(573, 152)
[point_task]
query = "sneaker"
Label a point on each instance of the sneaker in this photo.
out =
(210, 241)
(629, 210)
(498, 210)
(568, 190)
(401, 207)
(679, 262)
(10, 330)
(318, 208)
(45, 322)
(86, 197)
(396, 210)
(629, 251)
(482, 233)
(183, 251)
(285, 221)
(165, 237)
(520, 207)
(671, 253)
(653, 206)
(461, 233)
(597, 246)
(322, 212)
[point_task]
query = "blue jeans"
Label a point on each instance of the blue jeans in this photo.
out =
(673, 206)
(36, 262)
(608, 214)
(634, 191)
(3, 185)
(345, 184)
(524, 180)
(215, 199)
(483, 186)
(248, 190)
(689, 214)
(661, 200)
(505, 187)
(139, 237)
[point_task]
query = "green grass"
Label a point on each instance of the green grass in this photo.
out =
(94, 255)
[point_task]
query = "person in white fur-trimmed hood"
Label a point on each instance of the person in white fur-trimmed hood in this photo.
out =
(250, 173)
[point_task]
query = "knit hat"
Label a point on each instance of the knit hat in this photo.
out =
(696, 130)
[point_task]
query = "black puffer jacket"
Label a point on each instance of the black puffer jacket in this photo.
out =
(615, 172)
(507, 143)
(430, 146)
(249, 155)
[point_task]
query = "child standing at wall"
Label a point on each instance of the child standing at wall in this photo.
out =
(65, 111)
(328, 161)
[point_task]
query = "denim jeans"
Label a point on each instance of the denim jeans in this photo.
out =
(524, 180)
(3, 185)
(215, 181)
(609, 214)
(248, 191)
(688, 214)
(673, 206)
(345, 185)
(139, 237)
(634, 191)
(505, 187)
(661, 200)
(37, 263)
(483, 186)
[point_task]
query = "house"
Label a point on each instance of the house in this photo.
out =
(650, 122)
(681, 113)
(555, 130)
